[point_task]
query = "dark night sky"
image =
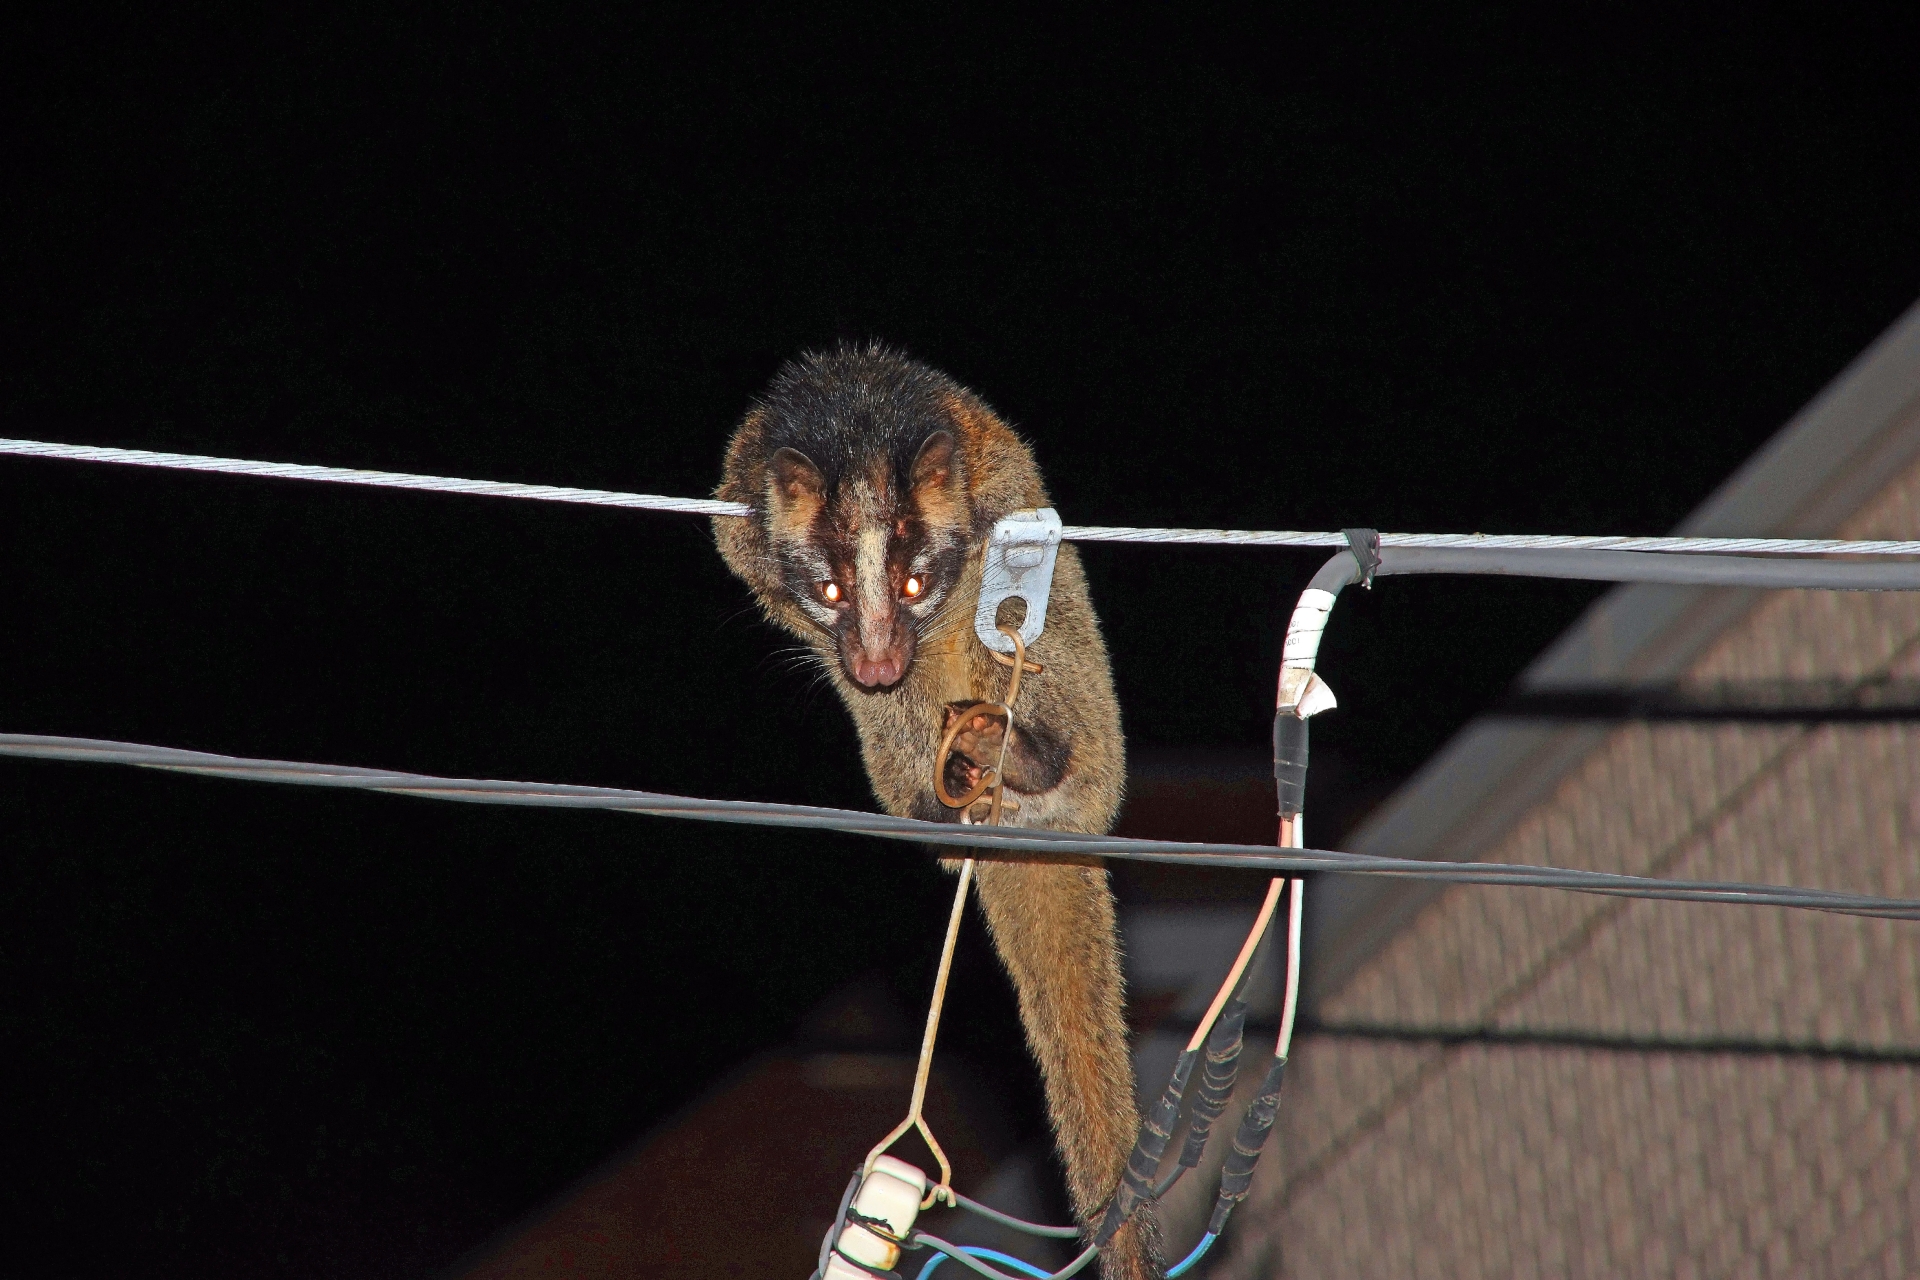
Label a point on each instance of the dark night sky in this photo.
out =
(1484, 273)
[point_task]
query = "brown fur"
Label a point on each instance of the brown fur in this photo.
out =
(1052, 922)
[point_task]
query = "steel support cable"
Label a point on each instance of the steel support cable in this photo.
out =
(1641, 566)
(1469, 542)
(376, 479)
(1003, 840)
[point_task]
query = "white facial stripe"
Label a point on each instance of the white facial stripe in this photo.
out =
(870, 573)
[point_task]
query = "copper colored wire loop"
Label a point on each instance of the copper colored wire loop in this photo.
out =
(990, 779)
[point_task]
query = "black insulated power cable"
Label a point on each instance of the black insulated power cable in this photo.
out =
(1003, 841)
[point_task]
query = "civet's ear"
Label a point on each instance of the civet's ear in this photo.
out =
(935, 481)
(933, 465)
(795, 492)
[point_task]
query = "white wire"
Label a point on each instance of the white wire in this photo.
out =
(1290, 1005)
(1072, 532)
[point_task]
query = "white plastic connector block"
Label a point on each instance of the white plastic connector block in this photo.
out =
(891, 1194)
(1019, 562)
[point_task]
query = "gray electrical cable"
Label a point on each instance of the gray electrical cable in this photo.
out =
(1018, 1224)
(958, 1254)
(1467, 542)
(1265, 858)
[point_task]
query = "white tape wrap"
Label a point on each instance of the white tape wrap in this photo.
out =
(1303, 631)
(1300, 688)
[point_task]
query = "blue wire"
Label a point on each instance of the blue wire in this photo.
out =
(1199, 1251)
(991, 1255)
(1027, 1268)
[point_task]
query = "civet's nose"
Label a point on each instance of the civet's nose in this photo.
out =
(878, 673)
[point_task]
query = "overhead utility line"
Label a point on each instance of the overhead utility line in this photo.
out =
(1072, 532)
(1254, 857)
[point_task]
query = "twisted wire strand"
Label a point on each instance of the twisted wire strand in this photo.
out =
(1072, 532)
(992, 840)
(1495, 541)
(378, 479)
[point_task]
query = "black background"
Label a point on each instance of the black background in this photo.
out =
(1483, 272)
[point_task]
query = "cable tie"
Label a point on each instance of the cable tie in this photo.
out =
(1365, 545)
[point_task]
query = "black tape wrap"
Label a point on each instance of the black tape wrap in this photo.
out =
(1290, 761)
(1216, 1079)
(1365, 545)
(1237, 1177)
(1156, 1129)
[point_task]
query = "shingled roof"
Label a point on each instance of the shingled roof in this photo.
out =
(1516, 1082)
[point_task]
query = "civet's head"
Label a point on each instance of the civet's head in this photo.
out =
(865, 472)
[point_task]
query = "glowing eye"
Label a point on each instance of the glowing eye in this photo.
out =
(914, 587)
(831, 591)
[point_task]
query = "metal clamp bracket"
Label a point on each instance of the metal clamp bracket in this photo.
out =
(1019, 562)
